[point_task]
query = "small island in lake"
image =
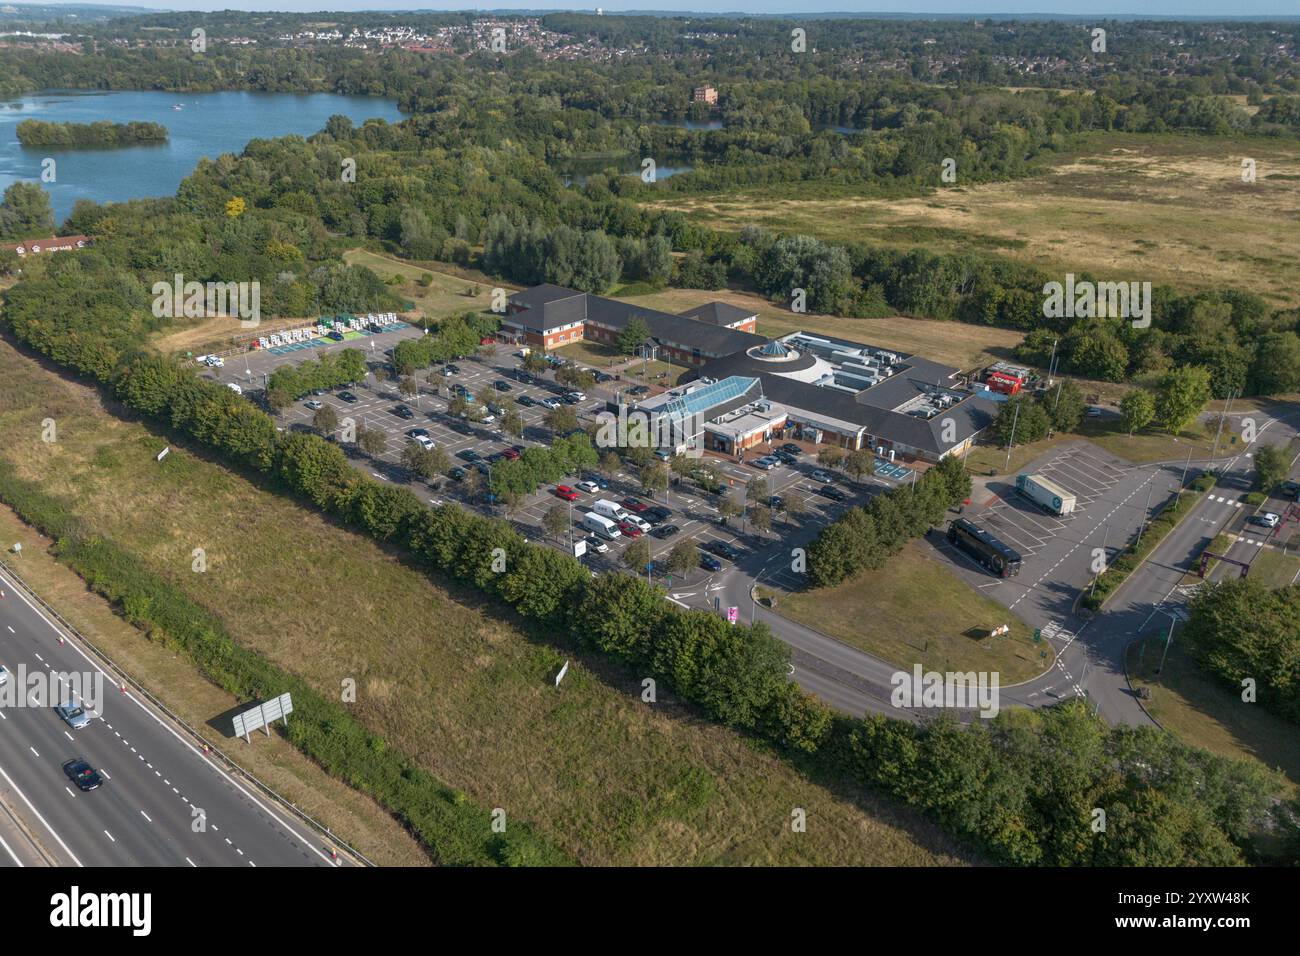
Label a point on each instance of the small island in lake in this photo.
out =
(89, 135)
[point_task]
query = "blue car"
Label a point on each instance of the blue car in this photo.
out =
(710, 563)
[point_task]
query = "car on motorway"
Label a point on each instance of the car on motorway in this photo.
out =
(468, 454)
(709, 562)
(588, 486)
(790, 448)
(664, 531)
(457, 474)
(831, 492)
(595, 544)
(723, 549)
(501, 385)
(824, 477)
(82, 774)
(1265, 519)
(403, 411)
(657, 514)
(348, 397)
(4, 675)
(424, 441)
(634, 504)
(565, 492)
(73, 714)
(629, 529)
(313, 404)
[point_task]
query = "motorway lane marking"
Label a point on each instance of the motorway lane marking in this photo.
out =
(33, 750)
(145, 815)
(110, 836)
(250, 797)
(11, 630)
(68, 735)
(104, 774)
(191, 862)
(39, 658)
(13, 856)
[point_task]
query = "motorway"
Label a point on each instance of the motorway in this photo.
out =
(162, 802)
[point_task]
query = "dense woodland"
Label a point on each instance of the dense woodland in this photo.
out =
(89, 135)
(471, 177)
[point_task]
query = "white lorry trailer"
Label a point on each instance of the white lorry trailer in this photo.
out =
(1046, 493)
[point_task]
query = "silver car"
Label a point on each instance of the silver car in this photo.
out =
(74, 714)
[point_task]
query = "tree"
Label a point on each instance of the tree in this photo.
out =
(610, 463)
(796, 506)
(408, 387)
(830, 456)
(859, 463)
(556, 521)
(419, 460)
(1025, 417)
(512, 423)
(756, 489)
(26, 212)
(682, 558)
(654, 478)
(1271, 467)
(1065, 406)
(760, 516)
(561, 420)
(631, 338)
(372, 441)
(1137, 409)
(1181, 395)
(325, 420)
(637, 555)
(729, 509)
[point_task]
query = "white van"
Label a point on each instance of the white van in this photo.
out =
(609, 509)
(600, 526)
(234, 387)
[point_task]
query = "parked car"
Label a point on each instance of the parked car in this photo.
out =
(550, 403)
(603, 377)
(235, 387)
(565, 492)
(501, 385)
(588, 486)
(595, 544)
(723, 549)
(831, 492)
(785, 458)
(468, 454)
(709, 562)
(824, 477)
(790, 448)
(629, 529)
(214, 361)
(657, 514)
(511, 454)
(461, 428)
(1265, 519)
(634, 504)
(767, 463)
(403, 411)
(575, 396)
(639, 390)
(457, 474)
(665, 531)
(348, 397)
(776, 503)
(73, 714)
(525, 400)
(418, 432)
(313, 404)
(82, 774)
(452, 367)
(597, 480)
(424, 441)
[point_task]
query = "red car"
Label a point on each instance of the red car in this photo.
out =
(565, 492)
(629, 529)
(510, 453)
(631, 504)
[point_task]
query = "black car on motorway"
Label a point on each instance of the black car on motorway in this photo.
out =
(82, 774)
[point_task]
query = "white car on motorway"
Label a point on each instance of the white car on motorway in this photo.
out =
(73, 714)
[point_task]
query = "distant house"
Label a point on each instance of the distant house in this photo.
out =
(53, 244)
(705, 94)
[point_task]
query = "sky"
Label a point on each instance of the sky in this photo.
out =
(1146, 8)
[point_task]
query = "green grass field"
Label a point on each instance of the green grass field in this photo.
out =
(914, 610)
(1202, 712)
(1274, 569)
(439, 676)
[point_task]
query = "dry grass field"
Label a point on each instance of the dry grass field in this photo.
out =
(1169, 209)
(461, 688)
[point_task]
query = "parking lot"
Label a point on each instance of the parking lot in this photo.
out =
(695, 513)
(1058, 552)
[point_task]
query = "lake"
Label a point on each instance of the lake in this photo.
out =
(207, 124)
